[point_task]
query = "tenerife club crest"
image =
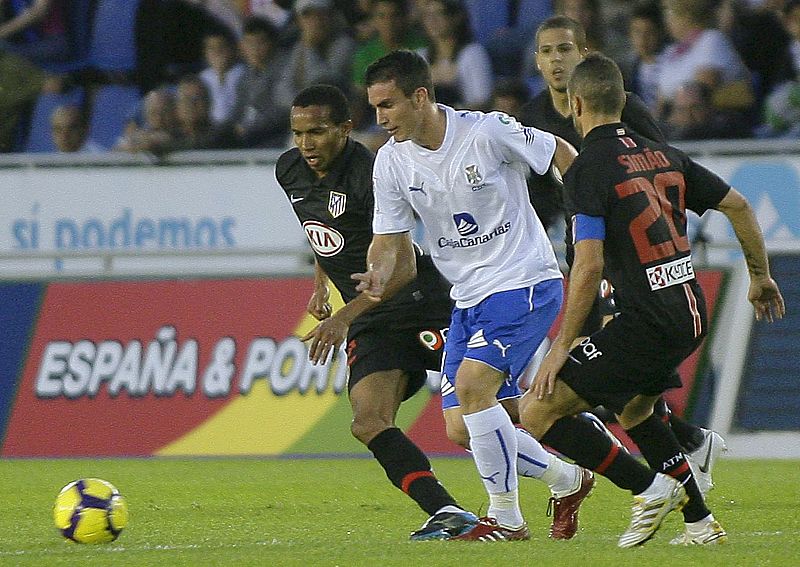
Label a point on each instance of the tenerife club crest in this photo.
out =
(474, 176)
(336, 203)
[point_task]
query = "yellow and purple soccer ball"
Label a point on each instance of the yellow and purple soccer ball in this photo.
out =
(90, 510)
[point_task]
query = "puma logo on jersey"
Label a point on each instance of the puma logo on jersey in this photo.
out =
(503, 348)
(412, 189)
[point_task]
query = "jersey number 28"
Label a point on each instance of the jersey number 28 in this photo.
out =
(659, 208)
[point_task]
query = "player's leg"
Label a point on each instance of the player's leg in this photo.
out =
(661, 449)
(701, 446)
(375, 397)
(553, 420)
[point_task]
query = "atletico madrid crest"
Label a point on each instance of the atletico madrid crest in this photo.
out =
(336, 203)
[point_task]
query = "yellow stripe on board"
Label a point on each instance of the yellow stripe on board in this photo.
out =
(260, 423)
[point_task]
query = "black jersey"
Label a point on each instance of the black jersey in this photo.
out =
(642, 189)
(543, 190)
(336, 215)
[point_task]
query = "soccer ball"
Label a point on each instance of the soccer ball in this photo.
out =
(90, 510)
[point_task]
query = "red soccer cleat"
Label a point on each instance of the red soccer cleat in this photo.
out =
(565, 509)
(487, 529)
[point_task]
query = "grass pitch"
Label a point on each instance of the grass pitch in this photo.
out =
(344, 512)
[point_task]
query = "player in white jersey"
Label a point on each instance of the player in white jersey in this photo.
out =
(463, 173)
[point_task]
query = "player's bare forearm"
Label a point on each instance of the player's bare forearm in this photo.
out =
(564, 156)
(764, 293)
(743, 219)
(391, 265)
(584, 280)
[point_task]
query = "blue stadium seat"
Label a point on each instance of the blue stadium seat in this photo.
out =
(111, 107)
(113, 41)
(39, 139)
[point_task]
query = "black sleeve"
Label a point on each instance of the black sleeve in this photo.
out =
(283, 166)
(636, 116)
(704, 188)
(581, 191)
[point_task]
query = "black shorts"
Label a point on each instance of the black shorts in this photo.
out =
(414, 351)
(624, 359)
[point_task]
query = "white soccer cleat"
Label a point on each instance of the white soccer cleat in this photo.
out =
(664, 495)
(702, 459)
(704, 532)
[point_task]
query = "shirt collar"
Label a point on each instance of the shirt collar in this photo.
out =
(613, 130)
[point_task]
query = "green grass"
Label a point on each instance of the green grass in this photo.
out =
(345, 512)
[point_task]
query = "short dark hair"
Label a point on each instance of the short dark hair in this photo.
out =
(598, 80)
(258, 25)
(563, 23)
(325, 95)
(407, 69)
(789, 6)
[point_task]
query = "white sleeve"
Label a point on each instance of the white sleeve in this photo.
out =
(393, 213)
(516, 142)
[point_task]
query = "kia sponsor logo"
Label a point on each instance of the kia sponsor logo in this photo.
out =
(325, 241)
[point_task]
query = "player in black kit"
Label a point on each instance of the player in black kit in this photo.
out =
(627, 197)
(327, 178)
(560, 46)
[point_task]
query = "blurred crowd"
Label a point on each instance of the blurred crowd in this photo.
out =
(163, 75)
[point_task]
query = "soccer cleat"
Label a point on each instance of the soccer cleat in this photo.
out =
(487, 529)
(701, 460)
(650, 507)
(565, 508)
(445, 525)
(702, 533)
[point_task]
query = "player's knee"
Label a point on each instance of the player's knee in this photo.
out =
(366, 427)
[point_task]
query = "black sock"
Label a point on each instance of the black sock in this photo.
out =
(689, 436)
(604, 414)
(579, 440)
(661, 450)
(409, 470)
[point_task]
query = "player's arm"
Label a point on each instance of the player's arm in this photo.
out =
(584, 281)
(563, 157)
(763, 293)
(319, 305)
(391, 265)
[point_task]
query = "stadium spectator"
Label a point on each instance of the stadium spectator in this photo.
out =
(509, 95)
(627, 363)
(642, 68)
(69, 127)
(195, 131)
(258, 119)
(761, 41)
(390, 20)
(782, 112)
(791, 21)
(159, 125)
(227, 12)
(36, 30)
(589, 15)
(322, 54)
(692, 116)
(505, 28)
(222, 74)
(493, 250)
(461, 68)
(701, 53)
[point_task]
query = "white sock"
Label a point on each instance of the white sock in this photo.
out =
(493, 441)
(532, 458)
(563, 478)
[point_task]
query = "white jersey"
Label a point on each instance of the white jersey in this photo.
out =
(472, 197)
